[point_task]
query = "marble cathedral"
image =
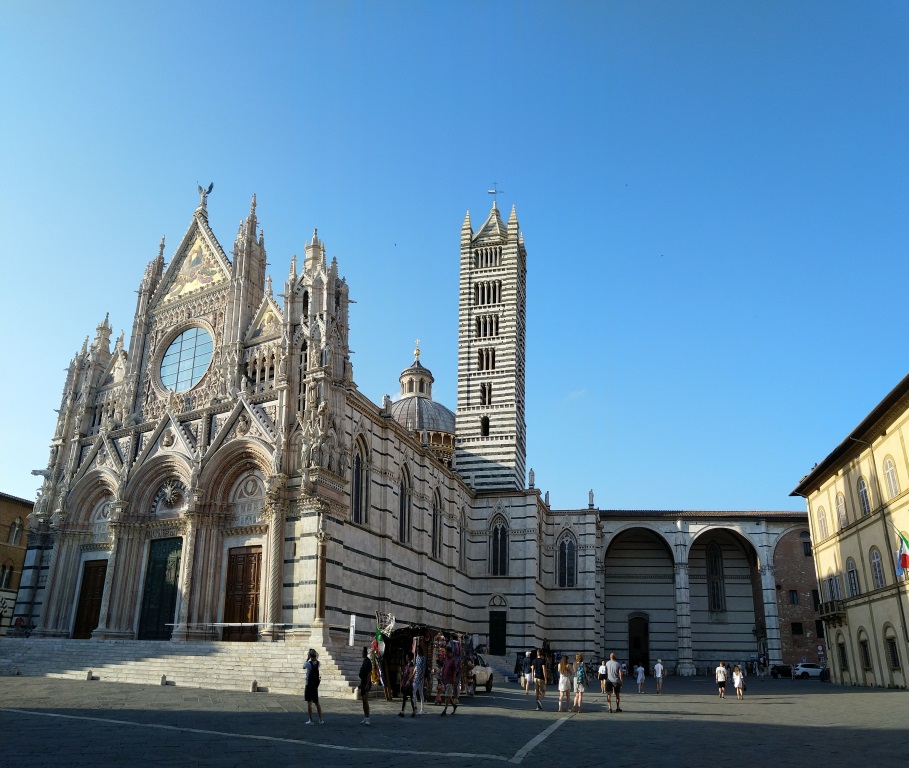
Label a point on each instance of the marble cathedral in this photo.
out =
(225, 475)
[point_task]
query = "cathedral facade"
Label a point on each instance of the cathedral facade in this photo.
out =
(224, 479)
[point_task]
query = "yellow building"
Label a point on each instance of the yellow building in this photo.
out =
(858, 503)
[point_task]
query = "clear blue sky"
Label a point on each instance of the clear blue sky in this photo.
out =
(713, 196)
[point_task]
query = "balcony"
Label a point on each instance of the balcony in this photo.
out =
(832, 611)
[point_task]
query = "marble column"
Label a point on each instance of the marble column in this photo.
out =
(685, 666)
(275, 511)
(181, 631)
(771, 615)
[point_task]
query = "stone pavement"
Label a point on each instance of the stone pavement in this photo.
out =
(52, 722)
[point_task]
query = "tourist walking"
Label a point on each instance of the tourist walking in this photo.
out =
(539, 678)
(601, 674)
(419, 679)
(720, 675)
(580, 681)
(640, 678)
(614, 679)
(564, 683)
(738, 680)
(407, 683)
(450, 681)
(658, 675)
(365, 684)
(527, 671)
(311, 687)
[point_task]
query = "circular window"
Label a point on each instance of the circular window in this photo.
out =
(186, 360)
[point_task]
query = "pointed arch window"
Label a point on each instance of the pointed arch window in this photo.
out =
(822, 522)
(716, 589)
(567, 561)
(864, 497)
(404, 510)
(834, 590)
(852, 580)
(437, 525)
(877, 569)
(359, 503)
(15, 532)
(484, 426)
(498, 555)
(893, 483)
(6, 574)
(841, 511)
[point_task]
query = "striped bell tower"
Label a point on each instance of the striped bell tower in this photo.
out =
(491, 436)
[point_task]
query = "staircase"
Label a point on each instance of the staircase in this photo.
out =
(275, 667)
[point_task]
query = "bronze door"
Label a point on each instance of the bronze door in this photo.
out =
(159, 601)
(88, 610)
(241, 603)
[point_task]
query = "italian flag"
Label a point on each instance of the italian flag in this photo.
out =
(902, 556)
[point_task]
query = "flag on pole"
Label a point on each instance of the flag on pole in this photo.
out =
(902, 556)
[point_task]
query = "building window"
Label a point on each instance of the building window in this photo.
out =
(462, 543)
(484, 426)
(822, 523)
(567, 565)
(865, 653)
(437, 526)
(6, 576)
(833, 587)
(360, 494)
(793, 597)
(864, 497)
(893, 653)
(797, 628)
(841, 654)
(852, 580)
(806, 543)
(403, 511)
(841, 511)
(819, 629)
(716, 592)
(499, 546)
(816, 598)
(877, 569)
(893, 485)
(15, 532)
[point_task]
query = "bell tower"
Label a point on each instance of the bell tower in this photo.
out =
(491, 436)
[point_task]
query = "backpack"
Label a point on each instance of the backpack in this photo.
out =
(582, 675)
(314, 677)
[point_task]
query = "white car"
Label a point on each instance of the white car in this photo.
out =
(806, 670)
(481, 673)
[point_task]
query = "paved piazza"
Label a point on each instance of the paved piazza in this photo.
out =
(54, 722)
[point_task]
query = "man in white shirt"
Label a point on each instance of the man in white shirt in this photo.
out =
(658, 675)
(721, 680)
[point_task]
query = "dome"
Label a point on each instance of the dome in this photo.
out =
(417, 413)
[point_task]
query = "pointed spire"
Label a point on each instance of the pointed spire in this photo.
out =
(513, 217)
(268, 286)
(293, 267)
(466, 224)
(161, 249)
(315, 253)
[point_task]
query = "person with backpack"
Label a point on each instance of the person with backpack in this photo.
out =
(311, 689)
(580, 684)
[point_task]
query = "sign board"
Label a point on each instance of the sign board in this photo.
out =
(353, 629)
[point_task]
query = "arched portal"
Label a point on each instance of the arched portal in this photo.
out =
(640, 599)
(727, 608)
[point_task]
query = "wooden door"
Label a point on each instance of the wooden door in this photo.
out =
(88, 610)
(497, 633)
(159, 602)
(241, 602)
(639, 642)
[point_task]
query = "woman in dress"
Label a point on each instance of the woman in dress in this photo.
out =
(564, 683)
(738, 680)
(640, 677)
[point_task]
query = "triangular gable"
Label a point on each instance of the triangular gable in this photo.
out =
(267, 323)
(244, 421)
(103, 454)
(168, 437)
(199, 263)
(492, 229)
